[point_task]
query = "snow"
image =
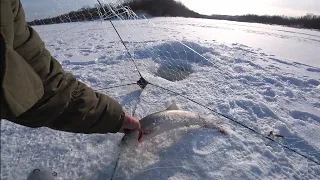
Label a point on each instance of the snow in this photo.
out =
(267, 77)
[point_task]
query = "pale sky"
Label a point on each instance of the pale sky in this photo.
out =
(45, 8)
(260, 7)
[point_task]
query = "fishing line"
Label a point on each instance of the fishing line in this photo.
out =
(237, 122)
(121, 147)
(111, 87)
(212, 110)
(125, 46)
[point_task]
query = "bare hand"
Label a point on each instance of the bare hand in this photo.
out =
(130, 124)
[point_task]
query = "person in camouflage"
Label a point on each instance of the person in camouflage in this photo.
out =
(37, 92)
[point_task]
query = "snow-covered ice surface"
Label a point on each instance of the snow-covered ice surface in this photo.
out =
(266, 77)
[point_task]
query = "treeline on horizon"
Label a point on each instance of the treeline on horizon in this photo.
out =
(154, 8)
(309, 21)
(171, 8)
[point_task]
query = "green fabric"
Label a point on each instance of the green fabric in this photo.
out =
(37, 92)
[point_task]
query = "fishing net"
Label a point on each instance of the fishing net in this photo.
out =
(111, 48)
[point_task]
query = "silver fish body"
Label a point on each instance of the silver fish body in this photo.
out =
(164, 121)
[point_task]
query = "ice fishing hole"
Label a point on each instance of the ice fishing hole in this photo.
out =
(174, 71)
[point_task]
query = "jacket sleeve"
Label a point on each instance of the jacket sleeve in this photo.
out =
(66, 104)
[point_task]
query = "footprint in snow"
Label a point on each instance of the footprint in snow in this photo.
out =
(77, 68)
(242, 61)
(317, 105)
(269, 95)
(92, 80)
(99, 47)
(313, 82)
(313, 69)
(68, 55)
(239, 69)
(281, 61)
(224, 108)
(298, 82)
(269, 92)
(288, 93)
(260, 110)
(304, 116)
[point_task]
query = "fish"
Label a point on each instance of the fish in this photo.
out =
(169, 119)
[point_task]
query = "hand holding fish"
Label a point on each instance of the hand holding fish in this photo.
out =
(130, 124)
(169, 119)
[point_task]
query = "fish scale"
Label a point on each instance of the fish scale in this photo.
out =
(164, 121)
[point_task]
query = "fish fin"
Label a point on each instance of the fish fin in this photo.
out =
(173, 106)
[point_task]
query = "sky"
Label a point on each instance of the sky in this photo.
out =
(260, 7)
(37, 9)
